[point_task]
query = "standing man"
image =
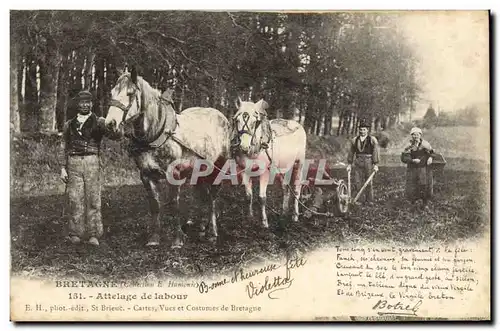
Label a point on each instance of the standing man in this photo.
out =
(419, 179)
(363, 158)
(81, 171)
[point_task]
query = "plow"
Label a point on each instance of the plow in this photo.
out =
(335, 204)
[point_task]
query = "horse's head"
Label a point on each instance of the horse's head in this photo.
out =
(247, 125)
(125, 103)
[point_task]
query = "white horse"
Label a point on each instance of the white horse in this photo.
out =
(166, 145)
(269, 150)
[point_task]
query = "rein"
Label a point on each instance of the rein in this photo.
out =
(125, 109)
(141, 140)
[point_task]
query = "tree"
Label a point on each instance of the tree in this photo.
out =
(14, 94)
(430, 118)
(321, 64)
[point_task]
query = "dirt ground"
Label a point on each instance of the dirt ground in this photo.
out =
(460, 209)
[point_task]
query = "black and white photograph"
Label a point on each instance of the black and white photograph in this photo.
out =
(189, 165)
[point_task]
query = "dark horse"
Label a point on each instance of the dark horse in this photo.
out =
(168, 146)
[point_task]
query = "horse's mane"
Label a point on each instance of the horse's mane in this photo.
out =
(150, 95)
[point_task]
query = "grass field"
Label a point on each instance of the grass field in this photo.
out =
(460, 210)
(459, 142)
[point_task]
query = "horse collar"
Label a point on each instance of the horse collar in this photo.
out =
(164, 134)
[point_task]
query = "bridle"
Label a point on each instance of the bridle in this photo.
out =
(125, 109)
(235, 143)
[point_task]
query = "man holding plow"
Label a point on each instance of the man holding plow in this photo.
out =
(363, 159)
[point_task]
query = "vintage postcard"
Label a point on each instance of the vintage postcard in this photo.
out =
(249, 165)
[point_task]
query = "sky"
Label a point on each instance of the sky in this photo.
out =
(454, 61)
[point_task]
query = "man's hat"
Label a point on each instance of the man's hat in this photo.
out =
(364, 124)
(84, 95)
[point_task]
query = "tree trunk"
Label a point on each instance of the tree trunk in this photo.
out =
(99, 75)
(62, 92)
(20, 78)
(327, 130)
(211, 100)
(49, 75)
(308, 122)
(377, 124)
(329, 119)
(78, 67)
(256, 92)
(392, 121)
(179, 93)
(200, 99)
(318, 126)
(183, 96)
(347, 124)
(111, 75)
(383, 123)
(341, 122)
(311, 115)
(355, 122)
(14, 95)
(159, 80)
(110, 79)
(20, 91)
(29, 120)
(89, 63)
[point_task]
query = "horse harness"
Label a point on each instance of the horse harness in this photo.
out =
(125, 109)
(163, 135)
(246, 129)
